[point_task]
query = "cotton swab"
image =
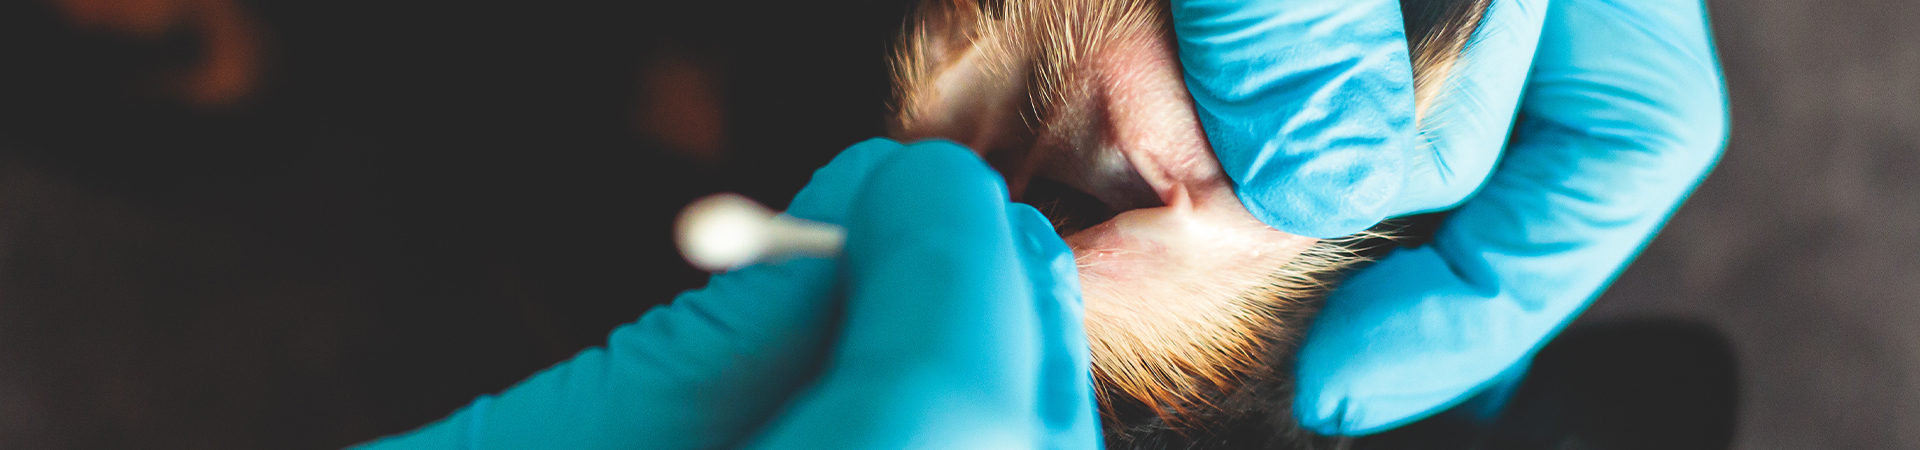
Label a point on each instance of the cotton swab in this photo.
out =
(728, 231)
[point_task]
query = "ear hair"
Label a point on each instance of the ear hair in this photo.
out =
(1032, 47)
(936, 36)
(1438, 32)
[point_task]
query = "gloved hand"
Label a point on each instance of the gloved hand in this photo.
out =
(1624, 114)
(952, 321)
(1307, 104)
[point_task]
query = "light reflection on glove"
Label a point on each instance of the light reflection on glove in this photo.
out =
(953, 321)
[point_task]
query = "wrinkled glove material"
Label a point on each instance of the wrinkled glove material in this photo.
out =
(1308, 105)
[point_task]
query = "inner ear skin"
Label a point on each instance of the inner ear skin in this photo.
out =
(1076, 148)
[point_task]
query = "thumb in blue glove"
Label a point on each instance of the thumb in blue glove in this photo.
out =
(1308, 105)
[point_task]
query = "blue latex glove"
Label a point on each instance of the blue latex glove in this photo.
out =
(1624, 113)
(953, 321)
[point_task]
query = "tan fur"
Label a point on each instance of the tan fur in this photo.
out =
(1175, 357)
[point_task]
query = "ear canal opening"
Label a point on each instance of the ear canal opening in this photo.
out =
(1070, 209)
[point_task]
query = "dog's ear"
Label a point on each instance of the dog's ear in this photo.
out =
(959, 74)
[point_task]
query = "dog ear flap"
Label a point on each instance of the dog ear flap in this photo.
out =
(937, 39)
(943, 31)
(955, 78)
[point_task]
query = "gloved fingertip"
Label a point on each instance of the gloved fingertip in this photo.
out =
(922, 193)
(1041, 246)
(962, 161)
(828, 196)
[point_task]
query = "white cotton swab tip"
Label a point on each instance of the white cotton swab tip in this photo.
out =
(727, 231)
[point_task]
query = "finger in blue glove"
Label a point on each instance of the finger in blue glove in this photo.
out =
(1308, 105)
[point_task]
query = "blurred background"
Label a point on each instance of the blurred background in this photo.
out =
(232, 224)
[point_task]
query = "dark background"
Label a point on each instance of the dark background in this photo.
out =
(423, 201)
